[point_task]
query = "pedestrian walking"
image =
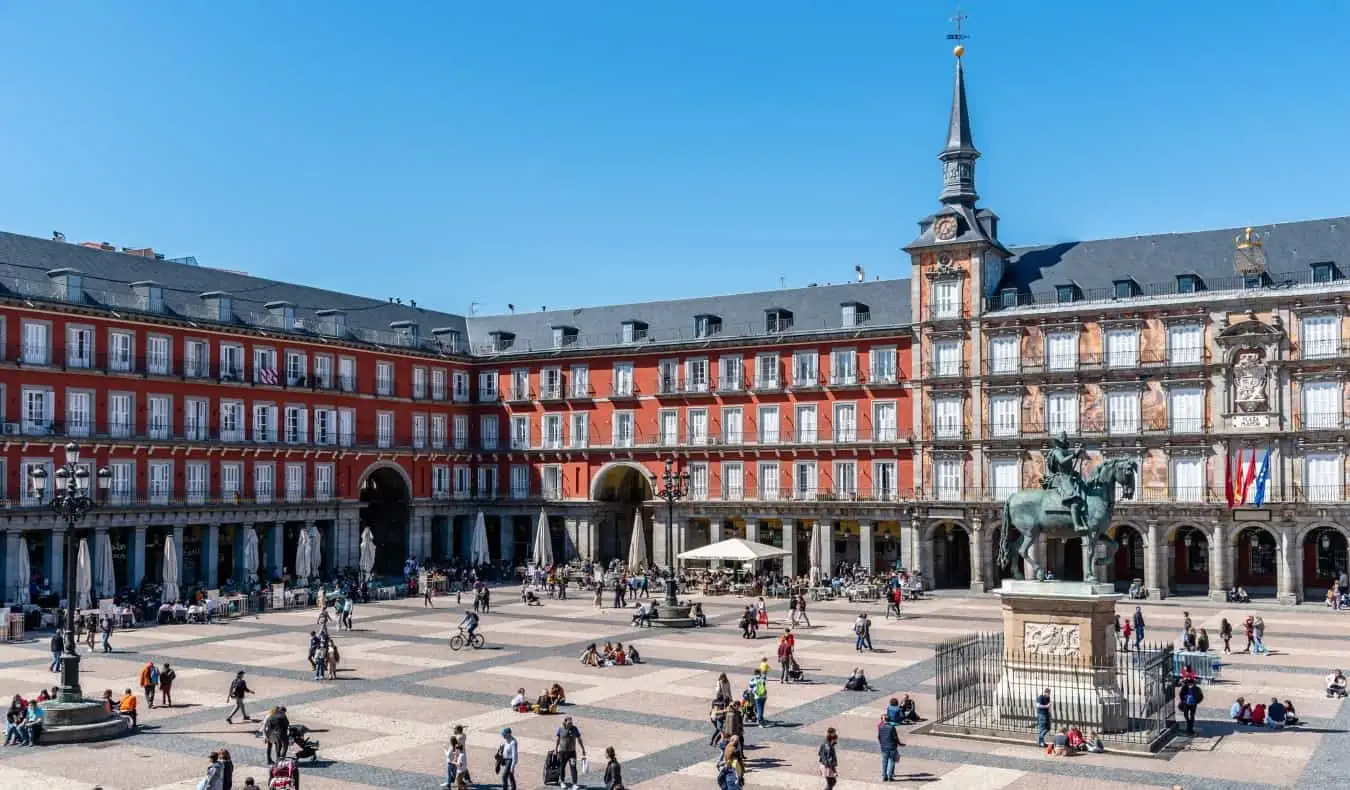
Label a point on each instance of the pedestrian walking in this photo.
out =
(1042, 717)
(1226, 634)
(215, 773)
(149, 680)
(426, 596)
(759, 692)
(238, 690)
(277, 731)
(226, 770)
(508, 754)
(613, 771)
(1138, 627)
(889, 741)
(801, 611)
(1249, 630)
(107, 626)
(566, 743)
(58, 646)
(1126, 631)
(829, 759)
(599, 596)
(1189, 699)
(166, 677)
(1259, 637)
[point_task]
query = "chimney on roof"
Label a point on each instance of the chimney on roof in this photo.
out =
(143, 252)
(512, 308)
(862, 275)
(58, 236)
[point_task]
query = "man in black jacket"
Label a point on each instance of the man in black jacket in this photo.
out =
(277, 730)
(58, 647)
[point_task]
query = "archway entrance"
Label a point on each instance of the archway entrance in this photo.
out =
(1256, 562)
(1326, 560)
(385, 502)
(1128, 563)
(1190, 561)
(622, 488)
(951, 556)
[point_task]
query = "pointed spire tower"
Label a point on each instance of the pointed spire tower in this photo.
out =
(959, 155)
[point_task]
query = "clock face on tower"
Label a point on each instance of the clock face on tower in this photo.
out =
(944, 228)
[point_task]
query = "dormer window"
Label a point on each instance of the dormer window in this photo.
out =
(1124, 289)
(332, 322)
(501, 341)
(564, 336)
(219, 305)
(1256, 280)
(1189, 284)
(69, 284)
(776, 319)
(854, 313)
(407, 331)
(1066, 293)
(283, 314)
(1007, 298)
(1325, 272)
(707, 325)
(633, 331)
(448, 338)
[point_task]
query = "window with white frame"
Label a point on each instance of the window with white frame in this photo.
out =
(296, 430)
(1122, 412)
(520, 384)
(805, 366)
(805, 484)
(487, 386)
(265, 366)
(323, 482)
(231, 481)
(885, 481)
(440, 482)
(1186, 407)
(668, 376)
(1005, 354)
(231, 420)
(698, 427)
(264, 422)
(122, 485)
(843, 366)
(846, 479)
(668, 427)
(196, 419)
(325, 426)
(160, 417)
(579, 431)
(346, 427)
(231, 362)
(696, 375)
(885, 427)
(1321, 336)
(579, 381)
(1061, 413)
(729, 374)
(733, 481)
(1324, 477)
(264, 482)
(487, 431)
(520, 432)
(768, 425)
(550, 383)
(948, 476)
(198, 482)
(1122, 348)
(623, 429)
(161, 482)
(79, 413)
(947, 358)
(438, 389)
(807, 432)
(882, 361)
(552, 429)
(463, 482)
(419, 383)
(487, 481)
(120, 352)
(1061, 350)
(698, 481)
(460, 433)
(38, 407)
(1322, 404)
(1188, 479)
(766, 372)
(196, 359)
(323, 371)
(1005, 413)
(733, 425)
(947, 299)
(79, 347)
(37, 343)
(297, 369)
(848, 315)
(551, 481)
(384, 378)
(295, 482)
(845, 422)
(622, 385)
(948, 418)
(1004, 475)
(419, 432)
(438, 431)
(520, 481)
(768, 481)
(1185, 344)
(384, 429)
(459, 386)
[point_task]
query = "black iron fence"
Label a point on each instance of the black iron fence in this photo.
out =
(984, 689)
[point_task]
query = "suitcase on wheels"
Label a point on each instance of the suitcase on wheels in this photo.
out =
(553, 768)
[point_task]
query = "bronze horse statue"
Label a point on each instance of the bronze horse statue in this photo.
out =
(1035, 512)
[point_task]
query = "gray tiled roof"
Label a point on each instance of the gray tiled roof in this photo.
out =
(1155, 261)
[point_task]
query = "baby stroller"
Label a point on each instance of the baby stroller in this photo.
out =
(284, 775)
(306, 748)
(795, 673)
(747, 704)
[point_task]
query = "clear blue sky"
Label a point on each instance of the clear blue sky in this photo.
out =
(574, 153)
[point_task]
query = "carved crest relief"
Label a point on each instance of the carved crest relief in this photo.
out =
(1051, 639)
(1249, 381)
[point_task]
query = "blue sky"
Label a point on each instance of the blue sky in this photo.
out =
(577, 153)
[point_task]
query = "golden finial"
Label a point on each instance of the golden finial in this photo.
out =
(959, 20)
(958, 50)
(1247, 239)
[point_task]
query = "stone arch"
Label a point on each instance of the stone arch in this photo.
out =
(385, 491)
(1176, 527)
(1247, 527)
(390, 465)
(951, 547)
(930, 529)
(597, 487)
(1308, 529)
(1256, 565)
(1140, 529)
(1321, 566)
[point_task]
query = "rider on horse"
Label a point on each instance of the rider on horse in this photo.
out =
(1063, 477)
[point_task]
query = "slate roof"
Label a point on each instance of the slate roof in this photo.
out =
(1154, 262)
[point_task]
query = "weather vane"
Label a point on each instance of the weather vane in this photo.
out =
(959, 20)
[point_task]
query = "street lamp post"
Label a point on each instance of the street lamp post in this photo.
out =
(72, 502)
(674, 487)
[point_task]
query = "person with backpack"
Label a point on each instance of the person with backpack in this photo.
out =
(566, 742)
(238, 689)
(1189, 699)
(1138, 627)
(58, 647)
(276, 731)
(759, 692)
(1259, 637)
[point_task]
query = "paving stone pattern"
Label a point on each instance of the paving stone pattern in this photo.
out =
(386, 721)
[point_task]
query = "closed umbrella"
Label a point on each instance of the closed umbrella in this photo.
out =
(543, 542)
(25, 572)
(479, 553)
(250, 570)
(170, 590)
(84, 575)
(105, 577)
(315, 552)
(637, 546)
(816, 552)
(302, 554)
(367, 552)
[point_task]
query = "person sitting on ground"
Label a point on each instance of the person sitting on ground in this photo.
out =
(633, 657)
(590, 656)
(909, 712)
(620, 657)
(607, 655)
(1076, 742)
(1059, 746)
(1241, 712)
(531, 599)
(1259, 714)
(1276, 717)
(1336, 684)
(642, 616)
(857, 681)
(1290, 720)
(556, 694)
(544, 704)
(1242, 596)
(700, 619)
(1094, 743)
(519, 703)
(893, 715)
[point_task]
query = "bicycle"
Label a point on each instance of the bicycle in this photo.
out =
(459, 640)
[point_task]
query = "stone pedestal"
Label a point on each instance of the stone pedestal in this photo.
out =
(673, 616)
(1061, 636)
(80, 722)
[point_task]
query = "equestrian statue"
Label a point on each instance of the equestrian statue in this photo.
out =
(1067, 505)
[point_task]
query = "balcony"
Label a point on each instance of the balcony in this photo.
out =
(806, 383)
(624, 391)
(116, 500)
(1096, 363)
(1320, 351)
(580, 392)
(847, 380)
(550, 392)
(519, 395)
(1319, 421)
(730, 386)
(947, 370)
(765, 385)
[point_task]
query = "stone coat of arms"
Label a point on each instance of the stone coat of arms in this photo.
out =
(1249, 382)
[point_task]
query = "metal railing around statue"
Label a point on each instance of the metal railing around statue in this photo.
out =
(984, 690)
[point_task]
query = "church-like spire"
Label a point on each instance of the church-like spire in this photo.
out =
(958, 157)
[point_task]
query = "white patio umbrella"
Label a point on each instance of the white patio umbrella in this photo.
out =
(543, 542)
(105, 577)
(250, 559)
(367, 552)
(479, 553)
(25, 572)
(637, 546)
(170, 586)
(303, 559)
(817, 538)
(315, 552)
(84, 576)
(735, 550)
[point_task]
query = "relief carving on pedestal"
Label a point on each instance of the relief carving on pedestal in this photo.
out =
(1050, 639)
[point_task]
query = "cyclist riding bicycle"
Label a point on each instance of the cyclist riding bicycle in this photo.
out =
(469, 624)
